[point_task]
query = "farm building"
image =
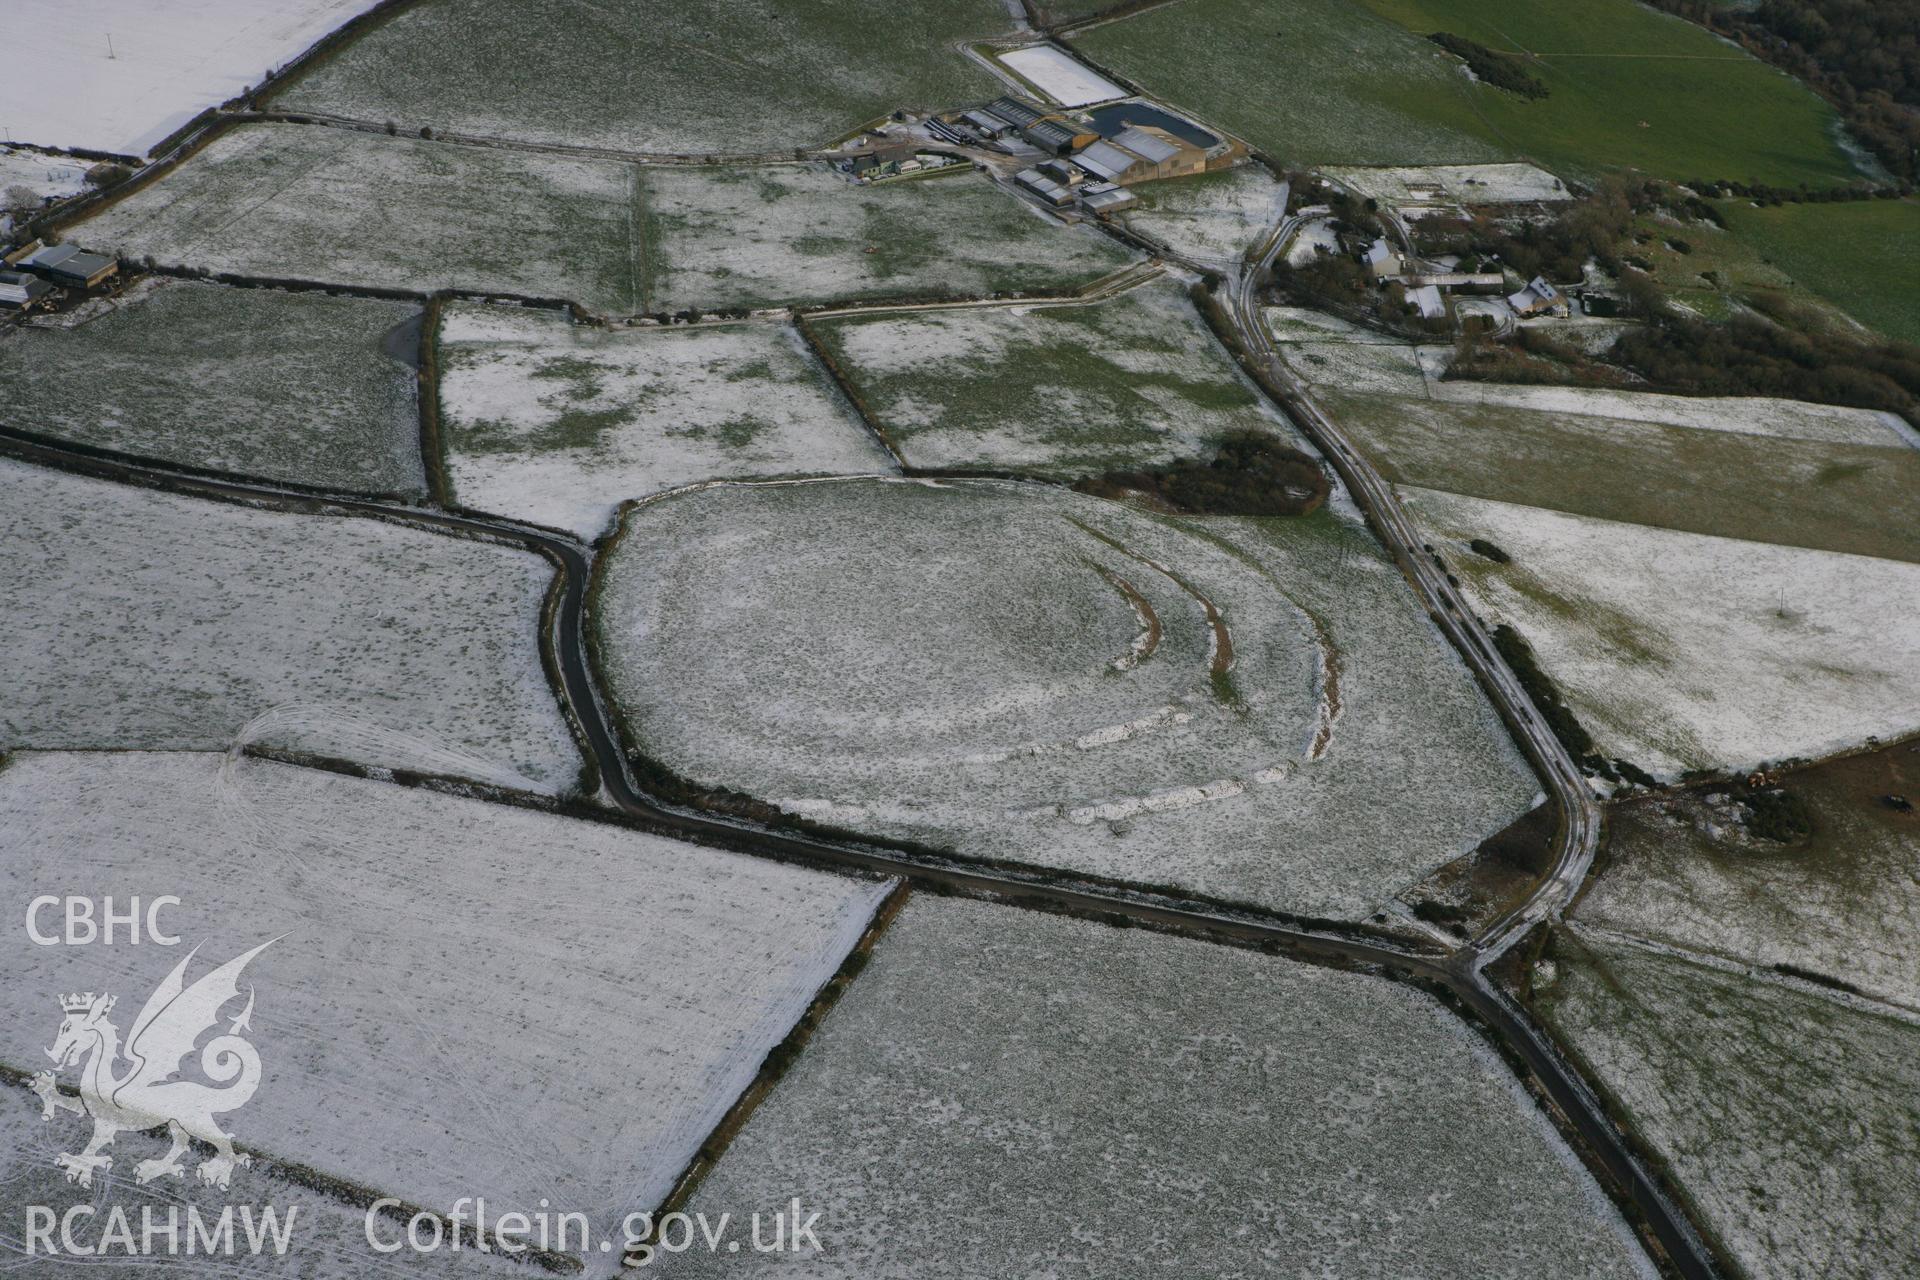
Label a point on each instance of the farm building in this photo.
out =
(1468, 281)
(18, 290)
(1057, 136)
(65, 264)
(1105, 197)
(1140, 155)
(1054, 193)
(1426, 300)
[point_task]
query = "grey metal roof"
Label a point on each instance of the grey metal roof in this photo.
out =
(1146, 146)
(1104, 160)
(51, 255)
(1014, 111)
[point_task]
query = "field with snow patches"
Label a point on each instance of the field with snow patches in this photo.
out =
(1135, 381)
(1785, 1113)
(292, 201)
(1681, 651)
(1321, 82)
(1059, 76)
(1353, 365)
(299, 387)
(1015, 671)
(120, 75)
(465, 999)
(1011, 1093)
(1857, 498)
(1683, 871)
(1457, 184)
(700, 76)
(1304, 324)
(141, 620)
(1213, 218)
(558, 423)
(776, 234)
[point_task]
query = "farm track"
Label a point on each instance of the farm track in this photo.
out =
(1458, 974)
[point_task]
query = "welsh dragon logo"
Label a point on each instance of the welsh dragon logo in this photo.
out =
(146, 1094)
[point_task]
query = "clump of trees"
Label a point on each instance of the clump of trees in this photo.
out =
(1773, 812)
(1786, 355)
(1501, 70)
(1251, 475)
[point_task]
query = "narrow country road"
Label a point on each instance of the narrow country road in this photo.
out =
(1578, 835)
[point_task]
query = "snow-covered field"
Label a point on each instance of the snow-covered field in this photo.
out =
(328, 1241)
(776, 234)
(693, 76)
(558, 423)
(1065, 79)
(1213, 218)
(293, 201)
(1250, 709)
(1785, 1114)
(1683, 871)
(464, 999)
(1455, 183)
(1006, 1093)
(1684, 651)
(1135, 381)
(299, 387)
(141, 620)
(120, 75)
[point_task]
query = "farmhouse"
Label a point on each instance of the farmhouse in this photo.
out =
(1537, 298)
(64, 264)
(1382, 260)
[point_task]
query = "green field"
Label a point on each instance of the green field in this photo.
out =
(696, 76)
(1857, 498)
(1858, 256)
(1635, 89)
(1060, 391)
(1307, 82)
(1357, 82)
